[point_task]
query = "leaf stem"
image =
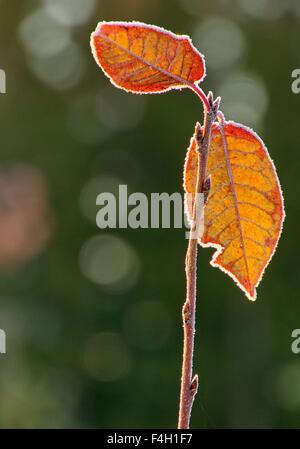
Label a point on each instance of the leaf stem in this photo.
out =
(189, 383)
(198, 91)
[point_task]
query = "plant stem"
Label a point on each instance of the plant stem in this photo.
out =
(198, 91)
(189, 383)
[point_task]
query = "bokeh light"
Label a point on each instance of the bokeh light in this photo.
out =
(192, 7)
(119, 111)
(92, 189)
(295, 5)
(52, 54)
(221, 40)
(82, 121)
(42, 36)
(265, 9)
(288, 386)
(26, 221)
(244, 98)
(63, 70)
(70, 12)
(108, 260)
(44, 400)
(106, 357)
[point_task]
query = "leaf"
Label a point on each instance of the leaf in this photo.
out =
(143, 58)
(244, 212)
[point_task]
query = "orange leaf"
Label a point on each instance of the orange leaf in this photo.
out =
(244, 212)
(143, 58)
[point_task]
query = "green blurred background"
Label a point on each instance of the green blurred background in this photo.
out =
(93, 318)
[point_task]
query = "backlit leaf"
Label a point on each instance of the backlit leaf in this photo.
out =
(143, 58)
(244, 212)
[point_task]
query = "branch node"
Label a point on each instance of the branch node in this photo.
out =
(198, 134)
(186, 312)
(206, 189)
(216, 105)
(210, 98)
(194, 385)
